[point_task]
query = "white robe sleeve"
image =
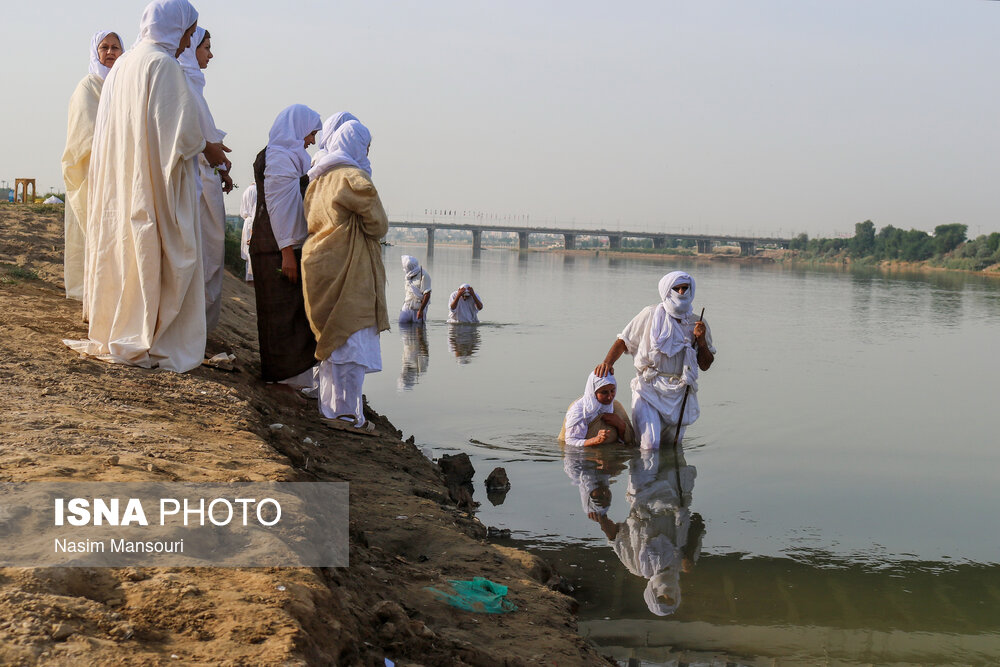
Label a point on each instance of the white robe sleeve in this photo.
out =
(284, 200)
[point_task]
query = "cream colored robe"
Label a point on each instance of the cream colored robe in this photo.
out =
(143, 281)
(75, 164)
(343, 277)
(213, 239)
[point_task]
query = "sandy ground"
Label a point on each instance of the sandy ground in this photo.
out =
(64, 417)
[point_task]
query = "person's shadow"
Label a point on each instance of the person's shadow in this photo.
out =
(416, 354)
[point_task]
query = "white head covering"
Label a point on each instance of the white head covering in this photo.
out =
(586, 408)
(665, 337)
(196, 82)
(248, 204)
(164, 22)
(664, 583)
(330, 126)
(668, 337)
(289, 131)
(95, 58)
(347, 146)
(411, 267)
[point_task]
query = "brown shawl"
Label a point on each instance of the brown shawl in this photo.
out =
(342, 272)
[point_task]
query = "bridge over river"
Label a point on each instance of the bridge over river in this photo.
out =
(704, 242)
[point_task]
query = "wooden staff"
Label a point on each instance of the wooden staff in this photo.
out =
(677, 435)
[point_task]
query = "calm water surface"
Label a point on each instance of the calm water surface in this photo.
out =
(846, 457)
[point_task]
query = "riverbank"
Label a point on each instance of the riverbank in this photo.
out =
(69, 418)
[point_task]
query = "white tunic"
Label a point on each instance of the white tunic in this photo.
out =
(662, 386)
(75, 165)
(144, 286)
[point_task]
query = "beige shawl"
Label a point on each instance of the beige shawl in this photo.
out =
(343, 277)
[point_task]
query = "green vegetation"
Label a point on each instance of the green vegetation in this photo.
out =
(948, 247)
(234, 262)
(10, 274)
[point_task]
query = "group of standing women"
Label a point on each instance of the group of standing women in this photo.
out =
(146, 171)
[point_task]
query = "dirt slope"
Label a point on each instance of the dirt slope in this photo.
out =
(65, 417)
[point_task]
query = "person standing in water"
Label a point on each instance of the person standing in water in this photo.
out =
(464, 305)
(669, 345)
(416, 292)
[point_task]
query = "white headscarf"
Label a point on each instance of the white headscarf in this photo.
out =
(164, 22)
(411, 267)
(586, 408)
(330, 126)
(95, 57)
(196, 82)
(347, 146)
(289, 131)
(665, 336)
(673, 306)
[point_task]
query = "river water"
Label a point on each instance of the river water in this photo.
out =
(844, 504)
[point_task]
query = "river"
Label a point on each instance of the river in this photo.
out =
(844, 499)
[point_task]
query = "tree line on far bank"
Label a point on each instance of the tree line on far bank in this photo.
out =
(947, 247)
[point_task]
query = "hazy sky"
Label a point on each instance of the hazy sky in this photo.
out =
(739, 116)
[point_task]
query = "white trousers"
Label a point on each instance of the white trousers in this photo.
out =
(652, 427)
(340, 387)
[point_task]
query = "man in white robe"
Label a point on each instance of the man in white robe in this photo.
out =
(105, 47)
(669, 345)
(143, 283)
(248, 209)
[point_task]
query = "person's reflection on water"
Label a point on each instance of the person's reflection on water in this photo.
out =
(464, 340)
(592, 470)
(416, 354)
(660, 538)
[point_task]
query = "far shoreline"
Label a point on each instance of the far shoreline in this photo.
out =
(767, 256)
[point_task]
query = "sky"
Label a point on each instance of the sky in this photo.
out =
(749, 117)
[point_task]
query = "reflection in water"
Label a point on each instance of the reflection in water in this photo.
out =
(416, 355)
(660, 537)
(463, 339)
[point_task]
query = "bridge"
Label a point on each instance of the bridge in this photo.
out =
(704, 242)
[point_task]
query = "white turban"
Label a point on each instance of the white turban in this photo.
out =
(411, 267)
(345, 147)
(164, 23)
(95, 57)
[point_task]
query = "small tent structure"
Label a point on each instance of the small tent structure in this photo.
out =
(53, 200)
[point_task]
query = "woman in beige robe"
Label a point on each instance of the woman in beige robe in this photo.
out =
(143, 284)
(343, 276)
(105, 47)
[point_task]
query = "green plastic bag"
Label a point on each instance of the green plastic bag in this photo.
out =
(480, 595)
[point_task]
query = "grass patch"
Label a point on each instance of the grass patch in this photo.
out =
(12, 273)
(233, 261)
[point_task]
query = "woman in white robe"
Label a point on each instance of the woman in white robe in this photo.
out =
(669, 345)
(342, 273)
(416, 292)
(464, 305)
(596, 418)
(287, 345)
(105, 47)
(143, 281)
(248, 208)
(214, 181)
(330, 127)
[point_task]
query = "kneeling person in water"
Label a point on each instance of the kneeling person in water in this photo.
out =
(596, 418)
